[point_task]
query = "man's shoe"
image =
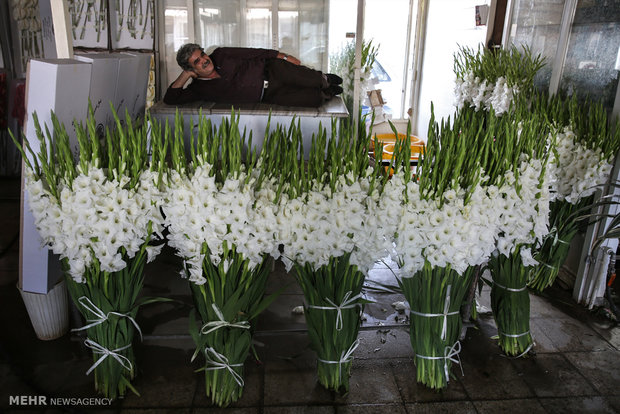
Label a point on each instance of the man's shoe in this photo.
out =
(333, 79)
(333, 90)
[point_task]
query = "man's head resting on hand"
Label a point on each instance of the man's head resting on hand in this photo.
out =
(193, 60)
(184, 53)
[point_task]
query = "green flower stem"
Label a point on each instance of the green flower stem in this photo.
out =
(324, 287)
(115, 292)
(553, 252)
(220, 384)
(510, 302)
(427, 292)
(238, 294)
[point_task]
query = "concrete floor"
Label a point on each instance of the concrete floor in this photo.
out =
(575, 369)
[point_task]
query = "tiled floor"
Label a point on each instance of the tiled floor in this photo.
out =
(575, 369)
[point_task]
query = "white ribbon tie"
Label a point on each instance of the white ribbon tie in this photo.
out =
(104, 352)
(445, 314)
(450, 352)
(347, 303)
(219, 361)
(221, 323)
(345, 356)
(101, 317)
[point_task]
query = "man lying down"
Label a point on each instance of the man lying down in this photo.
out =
(237, 75)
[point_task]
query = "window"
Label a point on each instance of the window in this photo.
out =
(386, 24)
(176, 33)
(536, 24)
(593, 55)
(580, 40)
(297, 27)
(450, 23)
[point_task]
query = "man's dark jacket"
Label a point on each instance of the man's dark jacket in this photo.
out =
(242, 72)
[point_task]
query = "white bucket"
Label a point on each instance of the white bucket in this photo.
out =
(48, 313)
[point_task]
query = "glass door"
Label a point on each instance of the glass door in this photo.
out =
(536, 24)
(449, 23)
(593, 53)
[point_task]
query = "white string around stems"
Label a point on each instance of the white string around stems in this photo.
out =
(345, 356)
(221, 322)
(449, 354)
(549, 266)
(347, 303)
(513, 335)
(218, 361)
(556, 239)
(102, 317)
(518, 336)
(510, 289)
(521, 334)
(445, 314)
(104, 352)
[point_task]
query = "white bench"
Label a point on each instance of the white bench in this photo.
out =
(254, 117)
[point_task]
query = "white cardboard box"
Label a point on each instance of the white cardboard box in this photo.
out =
(133, 78)
(62, 86)
(104, 77)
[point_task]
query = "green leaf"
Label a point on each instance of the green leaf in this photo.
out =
(265, 302)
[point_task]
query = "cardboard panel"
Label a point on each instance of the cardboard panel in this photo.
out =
(133, 77)
(104, 77)
(62, 86)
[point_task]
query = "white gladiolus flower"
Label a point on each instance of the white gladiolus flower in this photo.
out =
(482, 94)
(452, 234)
(322, 225)
(200, 212)
(95, 217)
(524, 217)
(526, 257)
(462, 235)
(576, 172)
